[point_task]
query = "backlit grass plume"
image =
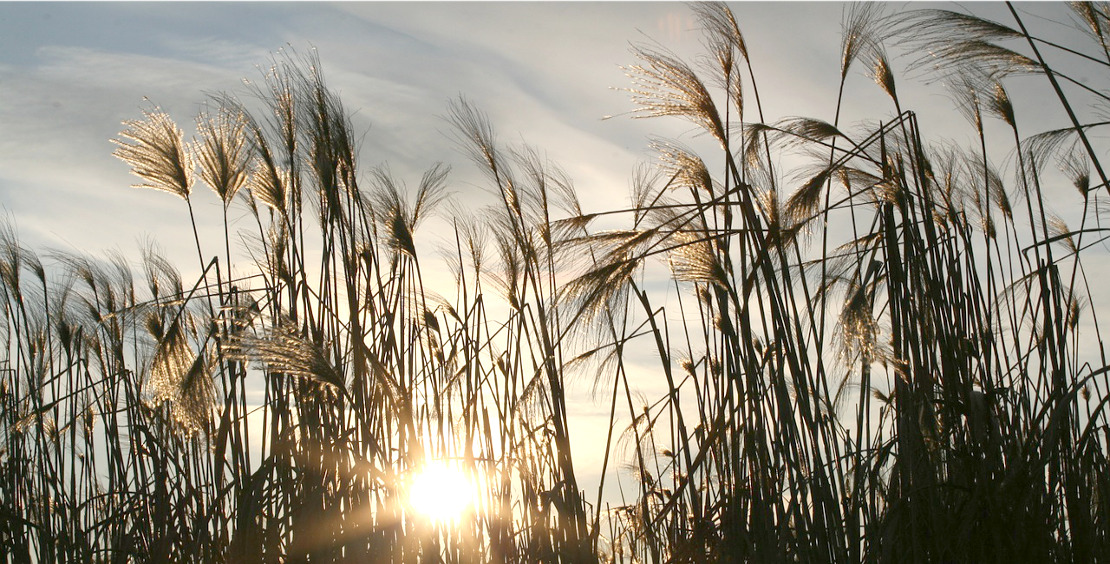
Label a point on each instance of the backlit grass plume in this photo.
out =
(156, 150)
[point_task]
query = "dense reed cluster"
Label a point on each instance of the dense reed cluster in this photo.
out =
(873, 348)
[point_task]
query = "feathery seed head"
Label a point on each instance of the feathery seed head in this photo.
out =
(861, 32)
(884, 76)
(724, 42)
(687, 169)
(223, 152)
(666, 86)
(270, 185)
(697, 261)
(1077, 168)
(156, 150)
(1001, 106)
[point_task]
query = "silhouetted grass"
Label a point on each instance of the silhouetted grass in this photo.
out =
(887, 358)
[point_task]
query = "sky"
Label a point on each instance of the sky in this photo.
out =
(546, 74)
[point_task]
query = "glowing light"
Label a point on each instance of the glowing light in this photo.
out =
(441, 492)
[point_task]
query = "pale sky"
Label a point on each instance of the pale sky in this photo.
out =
(546, 73)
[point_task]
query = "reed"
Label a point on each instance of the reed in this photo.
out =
(888, 352)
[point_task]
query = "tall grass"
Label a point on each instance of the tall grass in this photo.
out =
(889, 353)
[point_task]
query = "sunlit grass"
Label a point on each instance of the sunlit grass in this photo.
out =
(877, 360)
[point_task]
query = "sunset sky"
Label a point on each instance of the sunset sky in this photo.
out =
(546, 73)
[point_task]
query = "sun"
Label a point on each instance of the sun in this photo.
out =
(441, 492)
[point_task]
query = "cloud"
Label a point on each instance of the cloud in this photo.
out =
(545, 74)
(57, 173)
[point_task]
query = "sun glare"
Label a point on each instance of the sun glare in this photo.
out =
(441, 492)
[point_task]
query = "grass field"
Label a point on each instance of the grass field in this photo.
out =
(872, 346)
